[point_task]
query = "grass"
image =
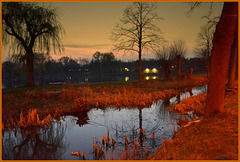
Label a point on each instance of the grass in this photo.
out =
(210, 139)
(195, 104)
(70, 99)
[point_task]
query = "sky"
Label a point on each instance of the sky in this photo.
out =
(88, 26)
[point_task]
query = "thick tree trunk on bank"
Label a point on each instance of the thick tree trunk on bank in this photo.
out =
(30, 68)
(222, 43)
(208, 60)
(233, 62)
(236, 74)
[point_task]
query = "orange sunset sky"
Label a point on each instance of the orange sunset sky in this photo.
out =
(88, 26)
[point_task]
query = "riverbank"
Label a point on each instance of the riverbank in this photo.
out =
(206, 139)
(69, 99)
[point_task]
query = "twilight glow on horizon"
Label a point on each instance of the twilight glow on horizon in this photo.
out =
(88, 26)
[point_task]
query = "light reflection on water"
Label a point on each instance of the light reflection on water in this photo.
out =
(68, 135)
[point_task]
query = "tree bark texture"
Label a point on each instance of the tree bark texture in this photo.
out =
(222, 43)
(30, 68)
(140, 64)
(233, 61)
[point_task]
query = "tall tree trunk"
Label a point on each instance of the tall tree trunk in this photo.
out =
(179, 66)
(140, 43)
(236, 74)
(222, 42)
(140, 64)
(167, 70)
(140, 54)
(30, 68)
(208, 60)
(208, 68)
(233, 61)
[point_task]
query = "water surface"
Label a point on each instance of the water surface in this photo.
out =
(73, 134)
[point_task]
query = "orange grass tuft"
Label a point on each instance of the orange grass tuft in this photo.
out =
(194, 103)
(32, 120)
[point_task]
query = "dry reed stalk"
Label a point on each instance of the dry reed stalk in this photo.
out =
(146, 151)
(102, 139)
(113, 141)
(108, 142)
(126, 142)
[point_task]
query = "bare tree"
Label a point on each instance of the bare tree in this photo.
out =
(138, 30)
(178, 49)
(204, 44)
(31, 28)
(204, 39)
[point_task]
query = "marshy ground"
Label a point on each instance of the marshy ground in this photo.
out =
(204, 139)
(69, 99)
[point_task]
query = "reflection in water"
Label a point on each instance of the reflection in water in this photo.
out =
(150, 77)
(35, 143)
(188, 92)
(140, 127)
(71, 134)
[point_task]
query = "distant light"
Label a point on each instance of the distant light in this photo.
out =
(86, 69)
(126, 78)
(126, 69)
(69, 69)
(173, 67)
(147, 78)
(154, 70)
(86, 79)
(70, 78)
(147, 70)
(155, 77)
(189, 59)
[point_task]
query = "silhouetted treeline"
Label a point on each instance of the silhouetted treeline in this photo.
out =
(104, 67)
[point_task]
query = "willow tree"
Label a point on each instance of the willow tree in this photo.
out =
(31, 28)
(164, 58)
(178, 49)
(138, 30)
